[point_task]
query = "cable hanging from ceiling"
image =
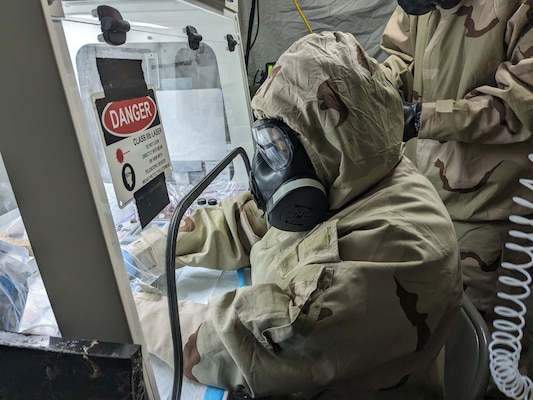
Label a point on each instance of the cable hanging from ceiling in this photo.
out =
(302, 16)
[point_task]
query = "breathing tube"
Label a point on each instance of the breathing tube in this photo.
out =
(505, 346)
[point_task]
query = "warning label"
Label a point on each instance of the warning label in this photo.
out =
(135, 144)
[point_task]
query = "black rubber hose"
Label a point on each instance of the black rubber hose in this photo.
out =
(170, 262)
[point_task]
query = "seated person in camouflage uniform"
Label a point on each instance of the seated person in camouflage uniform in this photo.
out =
(354, 260)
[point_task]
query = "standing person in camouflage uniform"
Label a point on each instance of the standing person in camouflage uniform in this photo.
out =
(468, 69)
(465, 71)
(356, 305)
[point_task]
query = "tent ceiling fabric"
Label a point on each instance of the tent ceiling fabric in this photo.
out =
(280, 25)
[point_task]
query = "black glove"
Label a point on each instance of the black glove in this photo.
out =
(411, 120)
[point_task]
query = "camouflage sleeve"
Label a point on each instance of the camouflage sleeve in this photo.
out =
(396, 42)
(495, 114)
(221, 236)
(499, 113)
(225, 351)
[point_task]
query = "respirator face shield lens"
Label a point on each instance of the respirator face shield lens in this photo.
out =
(273, 144)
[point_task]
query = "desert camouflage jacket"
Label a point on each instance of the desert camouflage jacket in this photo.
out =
(360, 306)
(471, 67)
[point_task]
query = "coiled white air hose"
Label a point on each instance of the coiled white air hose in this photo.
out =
(505, 346)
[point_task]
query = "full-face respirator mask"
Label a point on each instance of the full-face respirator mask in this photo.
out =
(420, 7)
(283, 180)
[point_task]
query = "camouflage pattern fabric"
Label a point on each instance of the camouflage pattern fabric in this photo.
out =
(471, 67)
(358, 307)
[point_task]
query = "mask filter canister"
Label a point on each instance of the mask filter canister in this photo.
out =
(298, 205)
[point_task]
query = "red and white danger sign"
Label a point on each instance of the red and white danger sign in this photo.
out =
(134, 142)
(126, 117)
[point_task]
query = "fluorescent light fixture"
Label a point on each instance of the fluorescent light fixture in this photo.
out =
(89, 18)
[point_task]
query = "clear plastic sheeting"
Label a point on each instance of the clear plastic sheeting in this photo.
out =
(7, 198)
(15, 270)
(38, 317)
(200, 284)
(24, 303)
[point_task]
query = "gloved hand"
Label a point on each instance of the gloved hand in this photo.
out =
(411, 120)
(152, 308)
